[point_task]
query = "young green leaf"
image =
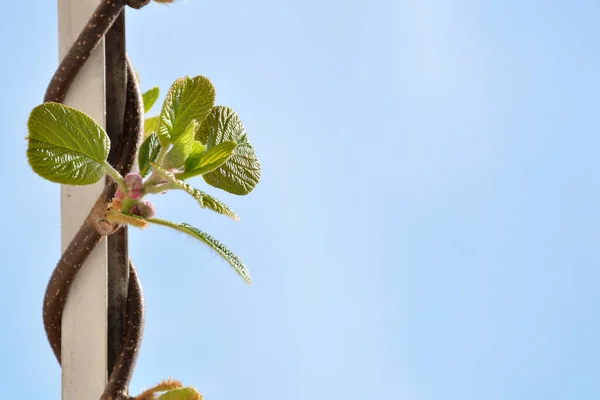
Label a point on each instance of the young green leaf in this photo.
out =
(209, 160)
(213, 243)
(188, 99)
(151, 125)
(204, 199)
(186, 393)
(194, 158)
(241, 171)
(147, 153)
(150, 97)
(182, 147)
(66, 145)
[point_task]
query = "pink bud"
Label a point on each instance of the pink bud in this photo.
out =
(144, 210)
(134, 181)
(134, 185)
(135, 194)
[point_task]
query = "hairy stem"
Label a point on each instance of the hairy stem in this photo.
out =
(116, 176)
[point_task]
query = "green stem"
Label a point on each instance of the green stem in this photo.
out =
(116, 176)
(128, 203)
(159, 159)
(166, 223)
(126, 218)
(156, 176)
(162, 153)
(160, 188)
(152, 180)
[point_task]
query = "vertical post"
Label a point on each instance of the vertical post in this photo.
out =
(84, 326)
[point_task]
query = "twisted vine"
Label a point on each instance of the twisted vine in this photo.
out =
(191, 137)
(96, 226)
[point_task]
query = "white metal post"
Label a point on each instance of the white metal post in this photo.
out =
(84, 336)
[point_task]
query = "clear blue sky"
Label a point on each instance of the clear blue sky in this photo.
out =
(427, 226)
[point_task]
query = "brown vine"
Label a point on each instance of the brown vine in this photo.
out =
(96, 226)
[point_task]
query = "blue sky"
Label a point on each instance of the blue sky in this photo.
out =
(427, 222)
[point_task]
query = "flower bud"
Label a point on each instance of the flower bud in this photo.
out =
(135, 194)
(134, 185)
(143, 209)
(134, 181)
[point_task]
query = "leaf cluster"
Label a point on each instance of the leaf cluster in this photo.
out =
(190, 137)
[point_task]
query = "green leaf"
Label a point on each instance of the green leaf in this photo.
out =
(182, 147)
(194, 158)
(151, 125)
(147, 153)
(65, 145)
(213, 243)
(186, 393)
(241, 172)
(205, 200)
(150, 97)
(188, 99)
(209, 160)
